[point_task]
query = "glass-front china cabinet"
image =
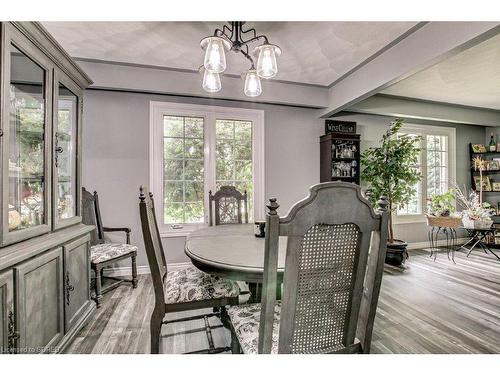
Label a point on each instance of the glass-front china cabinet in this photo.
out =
(44, 248)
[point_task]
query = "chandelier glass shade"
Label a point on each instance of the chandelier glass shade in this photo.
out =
(233, 38)
(211, 81)
(253, 86)
(215, 54)
(267, 66)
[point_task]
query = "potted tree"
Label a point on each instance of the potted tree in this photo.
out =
(391, 170)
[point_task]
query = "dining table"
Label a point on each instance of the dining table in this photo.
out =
(234, 252)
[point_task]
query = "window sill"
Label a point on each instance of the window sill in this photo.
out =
(180, 232)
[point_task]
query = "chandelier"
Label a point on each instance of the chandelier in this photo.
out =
(234, 38)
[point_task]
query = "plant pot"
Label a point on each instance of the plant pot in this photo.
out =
(396, 252)
(443, 221)
(476, 224)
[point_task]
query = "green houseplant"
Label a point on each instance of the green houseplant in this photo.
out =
(391, 169)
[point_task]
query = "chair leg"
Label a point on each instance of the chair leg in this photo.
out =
(155, 331)
(235, 344)
(98, 287)
(134, 271)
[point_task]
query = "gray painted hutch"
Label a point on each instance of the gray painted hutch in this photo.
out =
(44, 247)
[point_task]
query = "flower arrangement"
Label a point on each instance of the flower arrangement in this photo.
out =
(476, 213)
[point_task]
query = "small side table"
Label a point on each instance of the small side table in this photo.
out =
(451, 241)
(477, 237)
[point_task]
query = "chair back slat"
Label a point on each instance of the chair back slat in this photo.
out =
(91, 215)
(230, 205)
(326, 267)
(153, 245)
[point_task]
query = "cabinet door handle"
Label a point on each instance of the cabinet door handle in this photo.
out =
(69, 289)
(12, 335)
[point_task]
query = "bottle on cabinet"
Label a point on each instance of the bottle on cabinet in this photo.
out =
(493, 145)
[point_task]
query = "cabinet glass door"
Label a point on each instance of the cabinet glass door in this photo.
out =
(65, 154)
(26, 143)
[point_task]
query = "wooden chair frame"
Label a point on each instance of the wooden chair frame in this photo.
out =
(158, 267)
(226, 192)
(91, 215)
(331, 203)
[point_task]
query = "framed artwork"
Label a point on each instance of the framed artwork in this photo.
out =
(496, 186)
(486, 183)
(493, 165)
(478, 148)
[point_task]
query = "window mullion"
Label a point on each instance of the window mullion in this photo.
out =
(423, 181)
(209, 159)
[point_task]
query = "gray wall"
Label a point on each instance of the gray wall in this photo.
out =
(116, 152)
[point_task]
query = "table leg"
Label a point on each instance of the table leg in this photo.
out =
(454, 245)
(448, 242)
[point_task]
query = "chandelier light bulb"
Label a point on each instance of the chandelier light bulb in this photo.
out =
(211, 81)
(267, 66)
(215, 56)
(253, 87)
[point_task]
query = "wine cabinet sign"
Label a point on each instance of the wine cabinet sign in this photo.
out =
(335, 126)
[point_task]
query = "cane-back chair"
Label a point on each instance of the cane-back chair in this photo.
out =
(180, 290)
(333, 271)
(229, 204)
(102, 253)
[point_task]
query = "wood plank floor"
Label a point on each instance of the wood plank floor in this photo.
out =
(429, 307)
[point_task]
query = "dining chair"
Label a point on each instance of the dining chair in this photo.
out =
(103, 253)
(333, 271)
(183, 289)
(228, 204)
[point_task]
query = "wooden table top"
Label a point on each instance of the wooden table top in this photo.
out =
(231, 251)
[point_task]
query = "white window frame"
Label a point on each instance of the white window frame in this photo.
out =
(425, 130)
(210, 114)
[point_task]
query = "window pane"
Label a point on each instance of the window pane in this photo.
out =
(174, 213)
(173, 169)
(224, 129)
(174, 191)
(233, 156)
(173, 126)
(193, 212)
(437, 164)
(183, 170)
(194, 127)
(243, 150)
(243, 130)
(193, 148)
(194, 191)
(173, 147)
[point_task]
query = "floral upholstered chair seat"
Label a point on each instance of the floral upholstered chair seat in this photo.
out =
(190, 284)
(245, 320)
(106, 251)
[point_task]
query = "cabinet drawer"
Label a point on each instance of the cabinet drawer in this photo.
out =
(76, 280)
(39, 290)
(7, 322)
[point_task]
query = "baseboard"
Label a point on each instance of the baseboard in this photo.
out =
(426, 244)
(141, 270)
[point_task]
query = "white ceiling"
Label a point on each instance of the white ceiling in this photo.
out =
(470, 78)
(313, 52)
